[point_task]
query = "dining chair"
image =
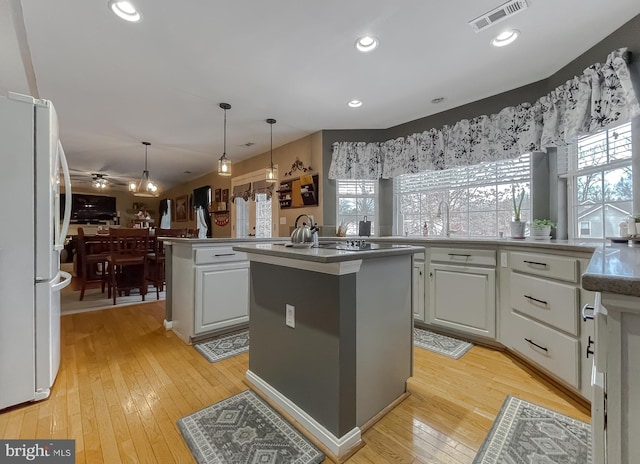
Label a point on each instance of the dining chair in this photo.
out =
(156, 258)
(91, 261)
(127, 260)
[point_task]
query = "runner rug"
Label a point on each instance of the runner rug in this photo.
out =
(244, 429)
(524, 432)
(442, 344)
(224, 347)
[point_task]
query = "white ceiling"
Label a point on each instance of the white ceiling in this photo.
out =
(115, 84)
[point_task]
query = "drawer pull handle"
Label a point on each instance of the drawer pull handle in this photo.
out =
(224, 254)
(537, 300)
(535, 262)
(459, 254)
(535, 344)
(583, 312)
(589, 350)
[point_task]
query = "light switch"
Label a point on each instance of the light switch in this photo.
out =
(503, 259)
(283, 220)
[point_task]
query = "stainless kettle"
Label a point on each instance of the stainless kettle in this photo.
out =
(303, 233)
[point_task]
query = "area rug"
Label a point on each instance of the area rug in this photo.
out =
(224, 347)
(442, 344)
(244, 429)
(526, 433)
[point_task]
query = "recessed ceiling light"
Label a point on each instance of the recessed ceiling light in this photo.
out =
(355, 103)
(366, 43)
(505, 38)
(124, 9)
(437, 100)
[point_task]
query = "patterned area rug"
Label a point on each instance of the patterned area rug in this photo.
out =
(527, 433)
(224, 347)
(244, 429)
(442, 344)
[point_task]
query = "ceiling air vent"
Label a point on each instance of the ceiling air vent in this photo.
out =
(498, 14)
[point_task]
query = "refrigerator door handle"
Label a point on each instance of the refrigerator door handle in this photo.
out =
(63, 283)
(62, 234)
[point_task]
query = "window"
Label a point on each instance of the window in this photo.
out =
(254, 217)
(356, 199)
(479, 199)
(600, 182)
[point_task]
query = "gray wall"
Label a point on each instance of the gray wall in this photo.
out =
(321, 347)
(626, 36)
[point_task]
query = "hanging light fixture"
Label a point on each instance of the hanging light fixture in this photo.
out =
(224, 164)
(99, 182)
(146, 187)
(272, 171)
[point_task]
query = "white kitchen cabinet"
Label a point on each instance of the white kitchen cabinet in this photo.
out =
(540, 314)
(418, 297)
(616, 380)
(210, 288)
(221, 296)
(463, 291)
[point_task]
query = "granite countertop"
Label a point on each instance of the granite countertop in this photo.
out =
(327, 255)
(614, 269)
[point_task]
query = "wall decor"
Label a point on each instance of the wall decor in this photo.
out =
(191, 208)
(298, 166)
(182, 205)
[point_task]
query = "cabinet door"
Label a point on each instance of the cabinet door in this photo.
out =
(463, 298)
(418, 290)
(222, 296)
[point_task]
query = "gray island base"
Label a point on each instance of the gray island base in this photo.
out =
(346, 355)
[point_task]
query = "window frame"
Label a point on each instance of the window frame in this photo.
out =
(359, 216)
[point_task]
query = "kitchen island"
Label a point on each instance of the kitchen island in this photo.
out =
(331, 335)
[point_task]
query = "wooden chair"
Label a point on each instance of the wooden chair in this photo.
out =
(156, 258)
(92, 261)
(127, 260)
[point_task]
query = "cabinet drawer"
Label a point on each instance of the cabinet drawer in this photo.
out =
(464, 256)
(550, 302)
(554, 267)
(556, 352)
(218, 255)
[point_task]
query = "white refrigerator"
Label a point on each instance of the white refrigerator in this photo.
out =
(32, 235)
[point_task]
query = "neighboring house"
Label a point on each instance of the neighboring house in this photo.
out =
(590, 221)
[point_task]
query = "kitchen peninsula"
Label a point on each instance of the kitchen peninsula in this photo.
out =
(331, 334)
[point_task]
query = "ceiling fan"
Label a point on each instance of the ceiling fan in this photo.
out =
(98, 181)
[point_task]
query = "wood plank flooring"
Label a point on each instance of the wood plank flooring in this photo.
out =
(124, 381)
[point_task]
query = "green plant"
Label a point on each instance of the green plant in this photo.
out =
(517, 206)
(637, 218)
(543, 223)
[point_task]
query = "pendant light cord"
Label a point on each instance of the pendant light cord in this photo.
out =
(224, 148)
(271, 154)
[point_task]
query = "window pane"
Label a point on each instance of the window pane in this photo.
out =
(589, 188)
(618, 185)
(357, 199)
(483, 223)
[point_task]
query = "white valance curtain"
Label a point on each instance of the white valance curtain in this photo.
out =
(601, 97)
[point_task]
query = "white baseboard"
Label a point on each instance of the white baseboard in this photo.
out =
(338, 446)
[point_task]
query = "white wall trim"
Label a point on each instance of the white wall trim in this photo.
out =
(337, 446)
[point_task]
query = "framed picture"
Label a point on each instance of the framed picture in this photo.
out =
(191, 209)
(181, 207)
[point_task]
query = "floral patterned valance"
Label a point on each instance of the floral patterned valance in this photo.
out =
(603, 96)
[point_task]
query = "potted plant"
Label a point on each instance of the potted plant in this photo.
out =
(541, 228)
(517, 226)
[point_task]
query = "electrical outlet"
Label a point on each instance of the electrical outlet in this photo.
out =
(503, 259)
(290, 318)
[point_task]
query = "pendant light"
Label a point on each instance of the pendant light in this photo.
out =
(224, 164)
(272, 171)
(146, 187)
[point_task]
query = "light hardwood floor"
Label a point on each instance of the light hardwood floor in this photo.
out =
(124, 381)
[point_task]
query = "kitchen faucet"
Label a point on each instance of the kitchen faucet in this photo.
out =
(446, 230)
